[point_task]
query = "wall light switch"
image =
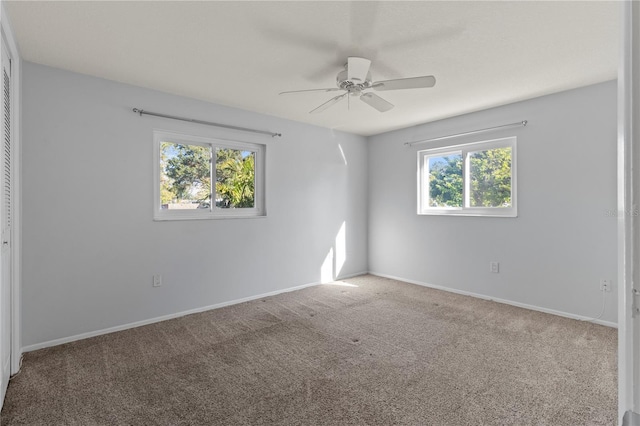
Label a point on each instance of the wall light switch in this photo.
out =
(157, 280)
(494, 267)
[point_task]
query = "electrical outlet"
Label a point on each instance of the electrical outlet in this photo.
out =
(157, 280)
(494, 267)
(605, 285)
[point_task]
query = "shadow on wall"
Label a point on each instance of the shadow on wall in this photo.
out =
(336, 257)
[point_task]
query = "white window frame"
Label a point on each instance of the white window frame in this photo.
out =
(465, 150)
(213, 212)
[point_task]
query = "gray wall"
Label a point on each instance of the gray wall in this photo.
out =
(90, 246)
(563, 241)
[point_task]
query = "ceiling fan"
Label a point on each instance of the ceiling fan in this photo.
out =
(355, 79)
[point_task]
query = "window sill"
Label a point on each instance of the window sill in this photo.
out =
(470, 212)
(162, 218)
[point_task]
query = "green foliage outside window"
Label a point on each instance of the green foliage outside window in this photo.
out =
(445, 182)
(186, 176)
(235, 178)
(185, 173)
(489, 179)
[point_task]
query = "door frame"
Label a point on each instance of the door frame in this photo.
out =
(6, 32)
(628, 220)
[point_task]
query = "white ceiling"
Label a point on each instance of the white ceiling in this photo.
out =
(242, 54)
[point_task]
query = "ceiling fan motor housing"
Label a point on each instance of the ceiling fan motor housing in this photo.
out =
(354, 88)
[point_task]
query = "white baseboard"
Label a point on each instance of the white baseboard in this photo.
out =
(505, 301)
(122, 327)
(89, 334)
(355, 274)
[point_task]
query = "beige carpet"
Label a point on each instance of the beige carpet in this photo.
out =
(380, 353)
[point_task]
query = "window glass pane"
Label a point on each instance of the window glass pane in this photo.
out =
(185, 176)
(490, 178)
(235, 178)
(445, 180)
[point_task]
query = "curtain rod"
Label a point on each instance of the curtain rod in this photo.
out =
(207, 123)
(473, 132)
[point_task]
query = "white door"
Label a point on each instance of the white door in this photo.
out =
(5, 224)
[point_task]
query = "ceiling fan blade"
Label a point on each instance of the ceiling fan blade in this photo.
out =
(406, 83)
(333, 89)
(329, 103)
(376, 101)
(357, 69)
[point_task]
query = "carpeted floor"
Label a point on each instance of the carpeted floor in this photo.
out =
(379, 352)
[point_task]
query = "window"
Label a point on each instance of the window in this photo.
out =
(200, 178)
(477, 179)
